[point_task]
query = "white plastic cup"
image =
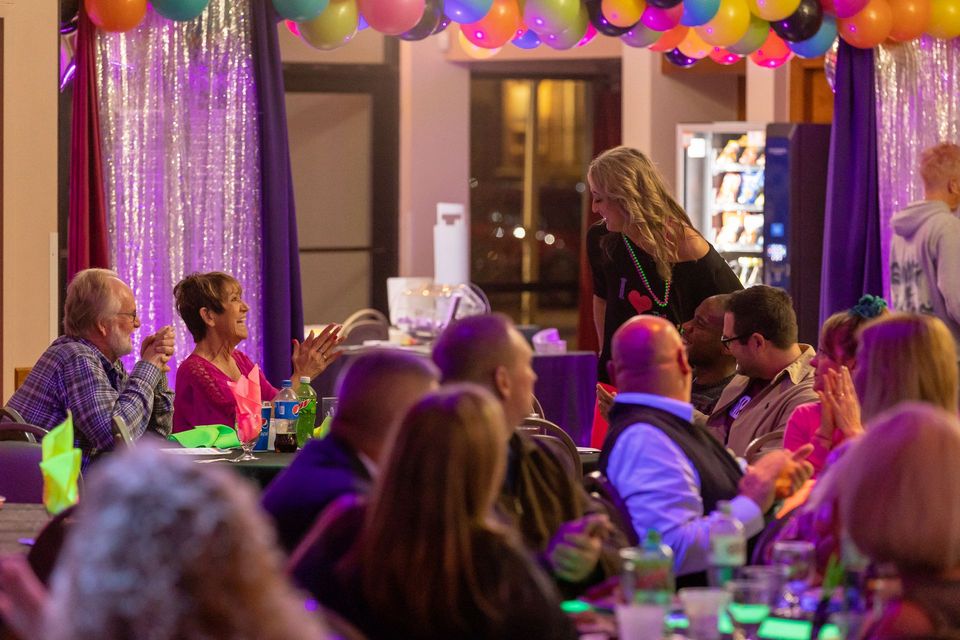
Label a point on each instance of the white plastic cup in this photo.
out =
(702, 606)
(640, 621)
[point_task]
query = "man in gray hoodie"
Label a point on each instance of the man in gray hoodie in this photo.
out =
(925, 251)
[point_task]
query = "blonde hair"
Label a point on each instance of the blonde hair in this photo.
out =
(940, 164)
(91, 298)
(900, 486)
(628, 177)
(905, 356)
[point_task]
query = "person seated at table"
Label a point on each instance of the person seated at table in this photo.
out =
(669, 471)
(162, 548)
(837, 351)
(212, 307)
(899, 505)
(81, 371)
(431, 559)
(374, 393)
(558, 520)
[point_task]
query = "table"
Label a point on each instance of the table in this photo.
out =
(20, 521)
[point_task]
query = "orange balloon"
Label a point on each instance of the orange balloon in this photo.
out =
(724, 57)
(116, 15)
(694, 46)
(869, 27)
(670, 39)
(944, 19)
(497, 28)
(910, 19)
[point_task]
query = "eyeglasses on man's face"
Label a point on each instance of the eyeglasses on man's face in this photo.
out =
(132, 314)
(725, 341)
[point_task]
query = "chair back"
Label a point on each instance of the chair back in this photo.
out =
(763, 444)
(20, 476)
(602, 490)
(537, 411)
(121, 434)
(363, 325)
(9, 414)
(540, 426)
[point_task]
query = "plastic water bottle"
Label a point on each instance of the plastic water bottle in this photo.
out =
(647, 571)
(307, 415)
(728, 545)
(285, 418)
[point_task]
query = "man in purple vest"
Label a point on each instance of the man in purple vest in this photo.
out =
(670, 472)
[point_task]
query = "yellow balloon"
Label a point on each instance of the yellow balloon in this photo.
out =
(773, 9)
(944, 19)
(472, 50)
(694, 46)
(623, 13)
(728, 26)
(334, 27)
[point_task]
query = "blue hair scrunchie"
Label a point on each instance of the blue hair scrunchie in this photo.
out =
(869, 306)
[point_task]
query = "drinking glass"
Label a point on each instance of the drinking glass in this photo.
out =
(797, 558)
(247, 447)
(750, 604)
(702, 606)
(328, 406)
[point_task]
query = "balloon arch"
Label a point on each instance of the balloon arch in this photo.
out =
(769, 32)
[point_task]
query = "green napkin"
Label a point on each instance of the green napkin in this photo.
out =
(60, 467)
(208, 435)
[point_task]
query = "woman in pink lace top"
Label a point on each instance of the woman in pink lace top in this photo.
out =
(212, 307)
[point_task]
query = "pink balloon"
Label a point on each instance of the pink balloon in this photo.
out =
(661, 19)
(392, 17)
(849, 8)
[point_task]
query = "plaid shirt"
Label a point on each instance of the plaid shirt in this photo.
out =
(73, 374)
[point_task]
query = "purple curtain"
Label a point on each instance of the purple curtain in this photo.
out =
(282, 302)
(852, 258)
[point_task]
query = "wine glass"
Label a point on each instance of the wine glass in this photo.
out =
(751, 601)
(797, 558)
(247, 446)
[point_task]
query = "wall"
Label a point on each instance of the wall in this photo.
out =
(30, 65)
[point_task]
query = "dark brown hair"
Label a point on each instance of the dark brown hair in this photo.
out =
(765, 310)
(199, 290)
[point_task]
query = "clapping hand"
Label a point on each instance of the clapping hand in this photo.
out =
(316, 352)
(575, 548)
(778, 474)
(605, 401)
(157, 348)
(840, 408)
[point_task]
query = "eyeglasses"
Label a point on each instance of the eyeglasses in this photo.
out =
(132, 314)
(725, 341)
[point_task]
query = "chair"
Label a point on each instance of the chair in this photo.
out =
(537, 409)
(121, 434)
(602, 490)
(20, 477)
(542, 427)
(363, 325)
(9, 414)
(763, 444)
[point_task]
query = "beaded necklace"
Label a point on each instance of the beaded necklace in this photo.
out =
(643, 276)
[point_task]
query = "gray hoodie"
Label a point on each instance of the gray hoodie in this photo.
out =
(925, 262)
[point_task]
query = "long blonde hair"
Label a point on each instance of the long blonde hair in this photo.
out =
(628, 177)
(905, 356)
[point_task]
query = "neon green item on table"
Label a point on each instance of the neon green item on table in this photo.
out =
(209, 435)
(60, 466)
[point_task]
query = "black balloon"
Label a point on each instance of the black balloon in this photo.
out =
(431, 19)
(680, 59)
(802, 24)
(663, 4)
(444, 23)
(69, 15)
(601, 24)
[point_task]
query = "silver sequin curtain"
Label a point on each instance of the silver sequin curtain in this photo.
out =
(918, 105)
(178, 111)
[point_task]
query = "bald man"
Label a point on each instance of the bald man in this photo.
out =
(374, 393)
(670, 472)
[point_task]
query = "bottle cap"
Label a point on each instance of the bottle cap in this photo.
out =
(286, 383)
(304, 379)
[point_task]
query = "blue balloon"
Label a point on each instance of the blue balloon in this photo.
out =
(698, 12)
(527, 40)
(180, 10)
(467, 11)
(362, 24)
(820, 43)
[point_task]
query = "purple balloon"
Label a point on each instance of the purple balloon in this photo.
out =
(600, 22)
(467, 11)
(527, 40)
(680, 59)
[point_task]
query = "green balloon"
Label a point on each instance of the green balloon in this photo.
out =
(180, 10)
(570, 37)
(334, 27)
(756, 35)
(299, 10)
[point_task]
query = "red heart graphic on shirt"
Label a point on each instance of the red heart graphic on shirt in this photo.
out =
(641, 303)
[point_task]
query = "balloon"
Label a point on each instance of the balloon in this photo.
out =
(472, 50)
(527, 40)
(296, 10)
(362, 24)
(724, 57)
(819, 43)
(640, 36)
(670, 39)
(292, 27)
(589, 35)
(772, 53)
(334, 27)
(623, 13)
(755, 37)
(444, 23)
(467, 10)
(910, 19)
(678, 58)
(802, 24)
(828, 7)
(496, 28)
(694, 46)
(868, 28)
(392, 17)
(180, 10)
(729, 25)
(432, 16)
(664, 4)
(572, 36)
(848, 8)
(698, 12)
(551, 16)
(944, 19)
(773, 9)
(600, 22)
(830, 65)
(661, 19)
(116, 15)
